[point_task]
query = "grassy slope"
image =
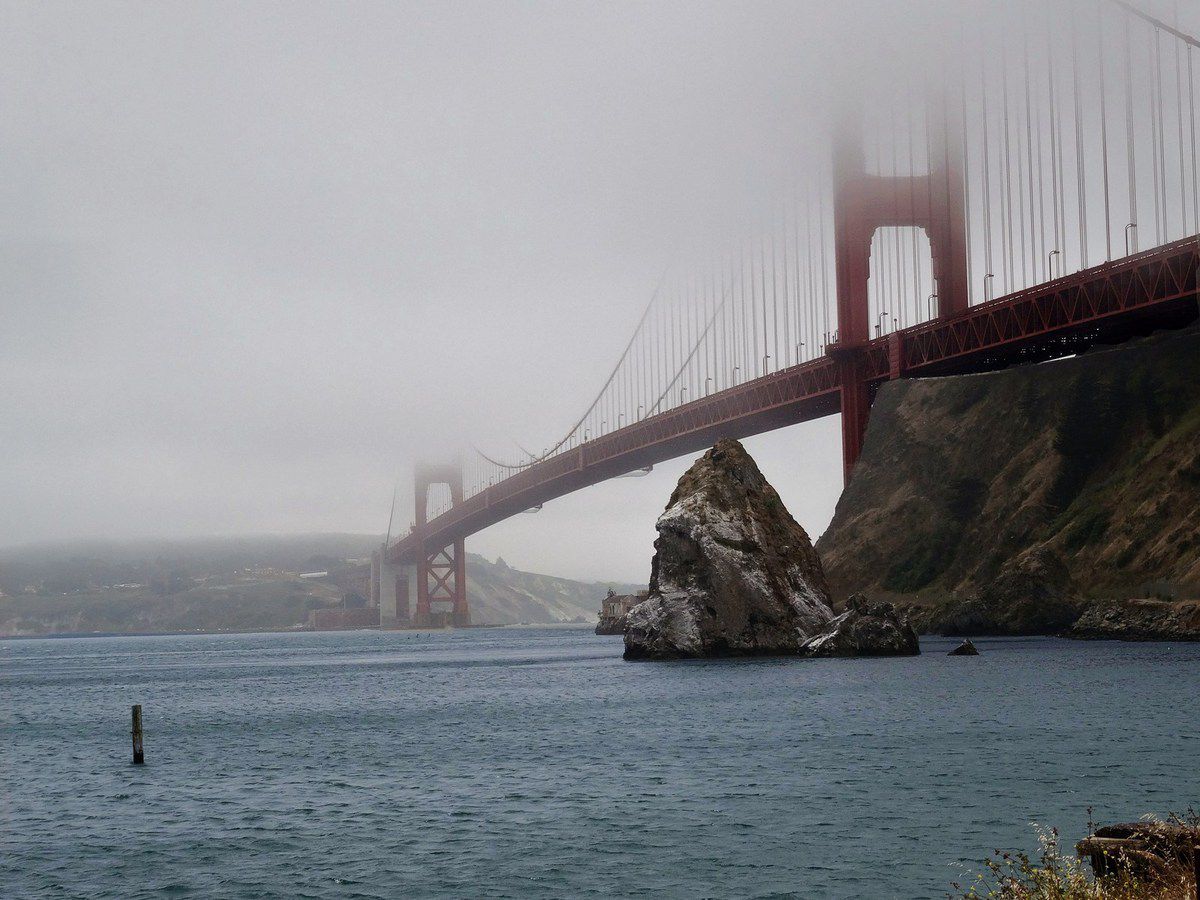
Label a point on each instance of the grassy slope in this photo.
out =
(1096, 458)
(499, 594)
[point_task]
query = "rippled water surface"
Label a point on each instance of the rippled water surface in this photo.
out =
(535, 763)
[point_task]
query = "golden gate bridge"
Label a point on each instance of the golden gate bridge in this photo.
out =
(1031, 193)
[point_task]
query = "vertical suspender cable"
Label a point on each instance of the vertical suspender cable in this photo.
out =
(1160, 199)
(1080, 172)
(912, 203)
(753, 318)
(742, 317)
(881, 273)
(987, 185)
(788, 343)
(824, 263)
(806, 298)
(726, 320)
(1179, 108)
(966, 166)
(642, 375)
(713, 363)
(810, 298)
(693, 341)
(912, 206)
(1043, 255)
(1006, 171)
(1104, 133)
(774, 295)
(762, 280)
(675, 335)
(896, 288)
(804, 309)
(1130, 144)
(1055, 153)
(717, 310)
(1032, 271)
(1195, 183)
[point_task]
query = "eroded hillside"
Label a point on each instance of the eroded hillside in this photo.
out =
(1094, 461)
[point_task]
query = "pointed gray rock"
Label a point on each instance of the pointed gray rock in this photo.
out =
(733, 573)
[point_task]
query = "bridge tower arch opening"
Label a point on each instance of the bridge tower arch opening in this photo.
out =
(864, 203)
(441, 571)
(902, 291)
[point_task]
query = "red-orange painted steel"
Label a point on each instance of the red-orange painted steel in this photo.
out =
(865, 203)
(441, 563)
(1107, 303)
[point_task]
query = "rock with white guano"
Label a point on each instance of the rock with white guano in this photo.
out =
(733, 573)
(865, 629)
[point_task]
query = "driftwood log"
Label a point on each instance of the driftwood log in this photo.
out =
(1148, 851)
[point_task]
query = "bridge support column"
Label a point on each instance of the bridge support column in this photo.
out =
(394, 610)
(441, 571)
(376, 562)
(856, 409)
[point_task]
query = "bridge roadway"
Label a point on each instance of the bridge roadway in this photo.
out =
(1105, 304)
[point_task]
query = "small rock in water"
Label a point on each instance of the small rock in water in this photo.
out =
(865, 629)
(733, 573)
(966, 648)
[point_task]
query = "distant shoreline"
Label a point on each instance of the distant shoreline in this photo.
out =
(125, 634)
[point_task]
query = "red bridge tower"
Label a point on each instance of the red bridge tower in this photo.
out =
(863, 203)
(441, 571)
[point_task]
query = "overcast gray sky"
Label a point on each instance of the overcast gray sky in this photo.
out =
(257, 257)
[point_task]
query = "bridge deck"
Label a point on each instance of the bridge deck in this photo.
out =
(1107, 303)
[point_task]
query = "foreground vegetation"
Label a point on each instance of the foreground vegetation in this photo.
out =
(1057, 875)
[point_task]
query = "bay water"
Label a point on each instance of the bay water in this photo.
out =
(534, 762)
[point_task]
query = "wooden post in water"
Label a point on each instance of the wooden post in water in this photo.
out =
(138, 758)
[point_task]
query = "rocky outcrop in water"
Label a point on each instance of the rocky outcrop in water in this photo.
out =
(733, 573)
(966, 648)
(1138, 620)
(865, 629)
(613, 610)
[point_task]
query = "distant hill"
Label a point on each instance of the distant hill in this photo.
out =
(500, 594)
(240, 584)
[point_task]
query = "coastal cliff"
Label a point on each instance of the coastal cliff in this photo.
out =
(1014, 502)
